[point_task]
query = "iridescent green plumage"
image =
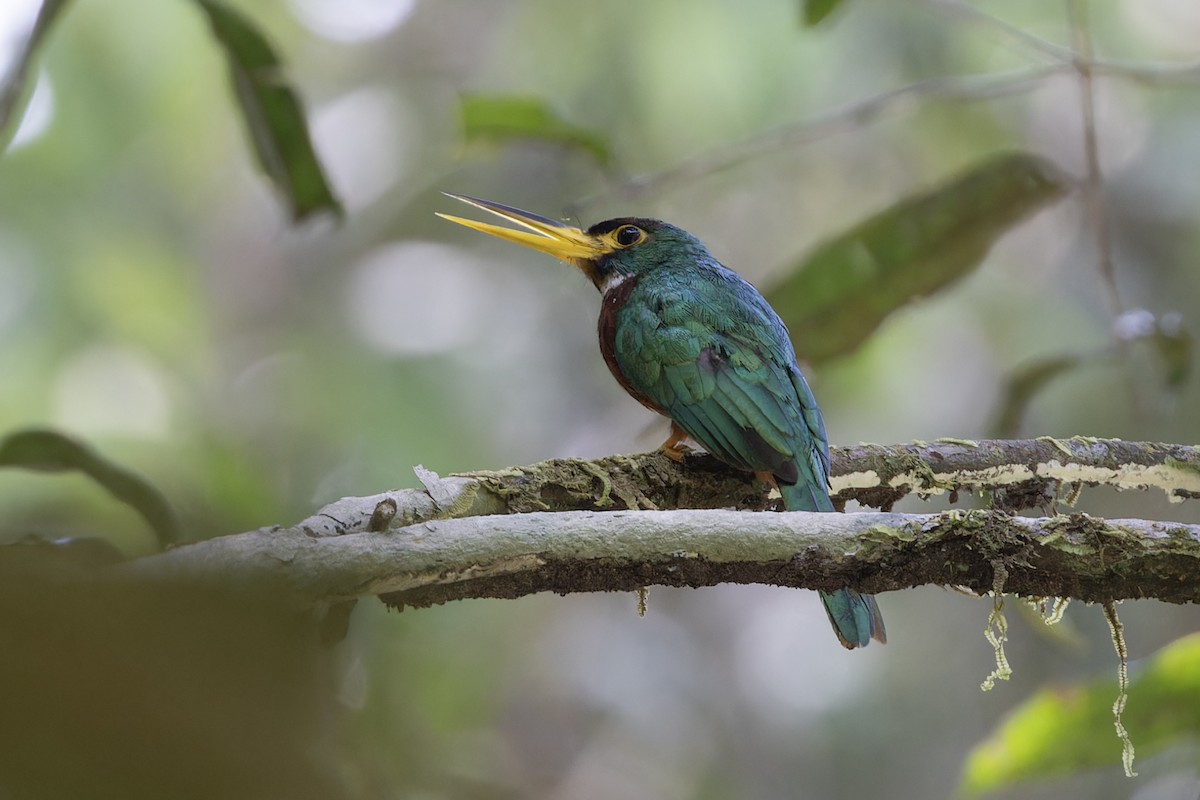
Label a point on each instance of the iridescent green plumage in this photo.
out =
(694, 341)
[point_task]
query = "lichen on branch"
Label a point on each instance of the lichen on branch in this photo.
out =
(512, 532)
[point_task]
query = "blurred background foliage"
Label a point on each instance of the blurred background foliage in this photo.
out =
(158, 303)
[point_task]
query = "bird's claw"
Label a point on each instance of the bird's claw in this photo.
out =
(674, 448)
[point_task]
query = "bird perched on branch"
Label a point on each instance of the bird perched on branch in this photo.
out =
(692, 340)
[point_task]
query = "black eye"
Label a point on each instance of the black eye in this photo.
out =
(629, 235)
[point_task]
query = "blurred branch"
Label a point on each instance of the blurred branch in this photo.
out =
(44, 450)
(1148, 73)
(851, 117)
(15, 89)
(1057, 60)
(1081, 35)
(1019, 36)
(528, 529)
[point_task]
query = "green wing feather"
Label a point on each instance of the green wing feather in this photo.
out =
(708, 350)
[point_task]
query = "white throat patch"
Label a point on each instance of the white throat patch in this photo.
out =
(614, 280)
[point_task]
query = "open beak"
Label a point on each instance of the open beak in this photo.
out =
(556, 238)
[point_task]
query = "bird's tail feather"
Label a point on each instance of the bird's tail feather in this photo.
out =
(855, 617)
(805, 496)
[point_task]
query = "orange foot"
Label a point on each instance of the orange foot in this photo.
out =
(674, 448)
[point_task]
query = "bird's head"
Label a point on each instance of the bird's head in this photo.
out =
(608, 252)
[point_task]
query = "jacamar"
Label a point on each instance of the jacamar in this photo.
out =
(692, 340)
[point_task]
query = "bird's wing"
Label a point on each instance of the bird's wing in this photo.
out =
(725, 372)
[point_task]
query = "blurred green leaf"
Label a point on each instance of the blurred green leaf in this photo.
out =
(1023, 384)
(1063, 731)
(838, 295)
(273, 113)
(15, 92)
(50, 451)
(1175, 346)
(1170, 340)
(503, 119)
(815, 11)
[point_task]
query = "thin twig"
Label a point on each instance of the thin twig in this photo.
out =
(1153, 75)
(1026, 40)
(955, 88)
(972, 88)
(1148, 73)
(1081, 35)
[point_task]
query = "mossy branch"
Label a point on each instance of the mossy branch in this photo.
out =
(518, 531)
(577, 551)
(1018, 473)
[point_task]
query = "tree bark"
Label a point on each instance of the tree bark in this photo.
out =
(522, 530)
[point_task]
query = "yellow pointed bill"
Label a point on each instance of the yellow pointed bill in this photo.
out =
(541, 233)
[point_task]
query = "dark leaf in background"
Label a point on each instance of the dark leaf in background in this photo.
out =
(1062, 731)
(175, 689)
(815, 11)
(272, 112)
(504, 119)
(15, 92)
(49, 451)
(838, 295)
(1021, 387)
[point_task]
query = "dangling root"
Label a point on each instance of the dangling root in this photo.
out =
(1057, 610)
(1118, 638)
(996, 631)
(1050, 609)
